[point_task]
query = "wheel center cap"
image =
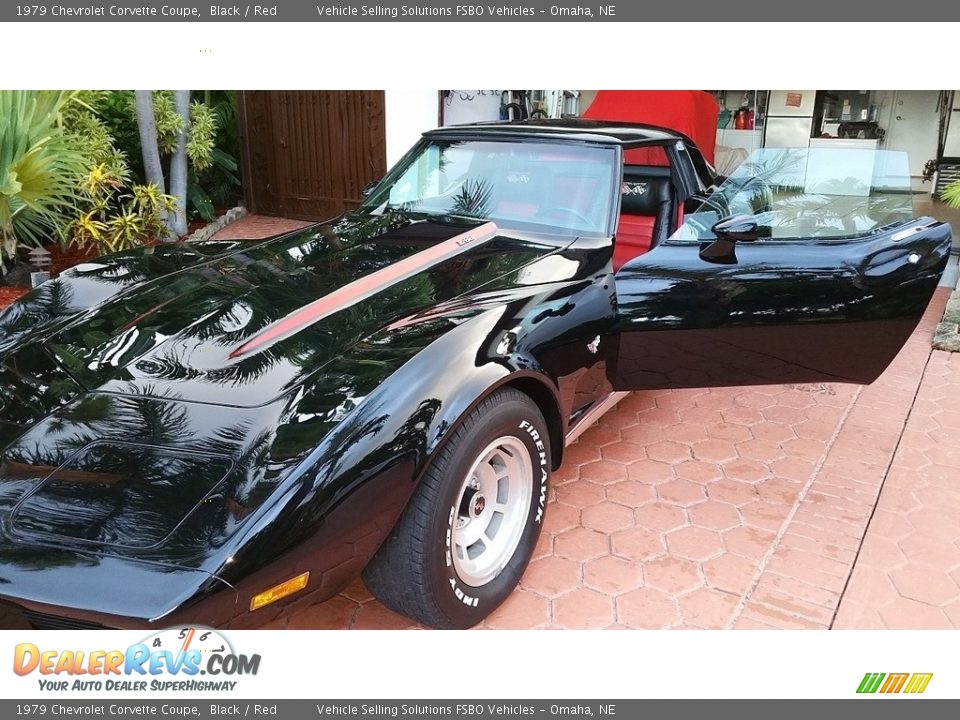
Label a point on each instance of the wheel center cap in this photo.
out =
(478, 504)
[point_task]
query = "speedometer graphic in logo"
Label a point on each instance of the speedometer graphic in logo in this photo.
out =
(204, 640)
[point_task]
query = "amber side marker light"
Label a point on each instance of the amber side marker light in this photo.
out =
(278, 592)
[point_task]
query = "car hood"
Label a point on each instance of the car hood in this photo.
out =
(154, 400)
(244, 327)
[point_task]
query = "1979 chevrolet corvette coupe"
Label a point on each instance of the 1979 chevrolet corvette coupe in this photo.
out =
(210, 433)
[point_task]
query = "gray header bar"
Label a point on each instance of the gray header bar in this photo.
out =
(877, 709)
(329, 11)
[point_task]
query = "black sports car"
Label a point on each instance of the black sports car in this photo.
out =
(208, 433)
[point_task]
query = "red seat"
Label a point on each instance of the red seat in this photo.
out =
(634, 237)
(646, 206)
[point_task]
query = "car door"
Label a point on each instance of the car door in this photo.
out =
(821, 276)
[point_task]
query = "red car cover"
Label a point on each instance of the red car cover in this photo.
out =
(692, 112)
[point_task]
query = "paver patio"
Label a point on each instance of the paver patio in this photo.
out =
(908, 571)
(789, 506)
(255, 227)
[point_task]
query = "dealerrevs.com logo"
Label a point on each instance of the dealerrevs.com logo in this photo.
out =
(177, 659)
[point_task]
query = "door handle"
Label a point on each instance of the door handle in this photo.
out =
(890, 262)
(918, 225)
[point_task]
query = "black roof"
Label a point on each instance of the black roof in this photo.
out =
(619, 133)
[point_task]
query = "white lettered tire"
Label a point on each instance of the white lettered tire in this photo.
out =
(468, 533)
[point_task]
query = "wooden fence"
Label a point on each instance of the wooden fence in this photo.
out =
(308, 154)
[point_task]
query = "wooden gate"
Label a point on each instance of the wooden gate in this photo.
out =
(308, 154)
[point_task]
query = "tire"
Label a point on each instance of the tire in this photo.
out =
(449, 562)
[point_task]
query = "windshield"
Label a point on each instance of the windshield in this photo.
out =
(563, 188)
(817, 193)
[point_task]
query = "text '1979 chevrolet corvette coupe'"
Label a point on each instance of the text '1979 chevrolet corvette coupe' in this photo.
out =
(214, 432)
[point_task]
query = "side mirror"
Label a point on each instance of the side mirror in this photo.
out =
(369, 188)
(729, 231)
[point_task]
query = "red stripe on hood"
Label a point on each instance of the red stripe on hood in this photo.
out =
(364, 287)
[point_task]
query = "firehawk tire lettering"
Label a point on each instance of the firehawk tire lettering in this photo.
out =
(544, 472)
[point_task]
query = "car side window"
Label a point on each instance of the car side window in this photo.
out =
(809, 194)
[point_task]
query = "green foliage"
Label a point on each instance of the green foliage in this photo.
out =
(118, 217)
(111, 213)
(951, 195)
(91, 135)
(71, 166)
(40, 169)
(219, 184)
(201, 133)
(169, 123)
(212, 142)
(116, 110)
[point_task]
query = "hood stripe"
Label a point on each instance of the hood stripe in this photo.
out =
(365, 287)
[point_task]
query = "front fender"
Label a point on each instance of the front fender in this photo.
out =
(419, 381)
(342, 501)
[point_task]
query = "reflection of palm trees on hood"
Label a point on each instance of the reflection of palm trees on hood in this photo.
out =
(48, 304)
(174, 334)
(135, 419)
(132, 467)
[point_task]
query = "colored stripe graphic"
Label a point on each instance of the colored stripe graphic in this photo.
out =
(365, 287)
(918, 682)
(870, 682)
(893, 683)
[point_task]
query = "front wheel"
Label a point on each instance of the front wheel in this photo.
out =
(468, 533)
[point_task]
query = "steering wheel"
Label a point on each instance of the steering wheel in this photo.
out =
(575, 213)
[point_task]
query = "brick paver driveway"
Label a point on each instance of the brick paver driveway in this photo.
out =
(908, 570)
(742, 508)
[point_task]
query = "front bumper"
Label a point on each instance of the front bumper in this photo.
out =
(62, 590)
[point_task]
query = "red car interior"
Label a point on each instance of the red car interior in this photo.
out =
(646, 208)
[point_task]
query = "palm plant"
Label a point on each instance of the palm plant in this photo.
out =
(113, 219)
(40, 169)
(951, 194)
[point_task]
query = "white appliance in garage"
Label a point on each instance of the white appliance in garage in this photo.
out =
(914, 129)
(789, 118)
(951, 144)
